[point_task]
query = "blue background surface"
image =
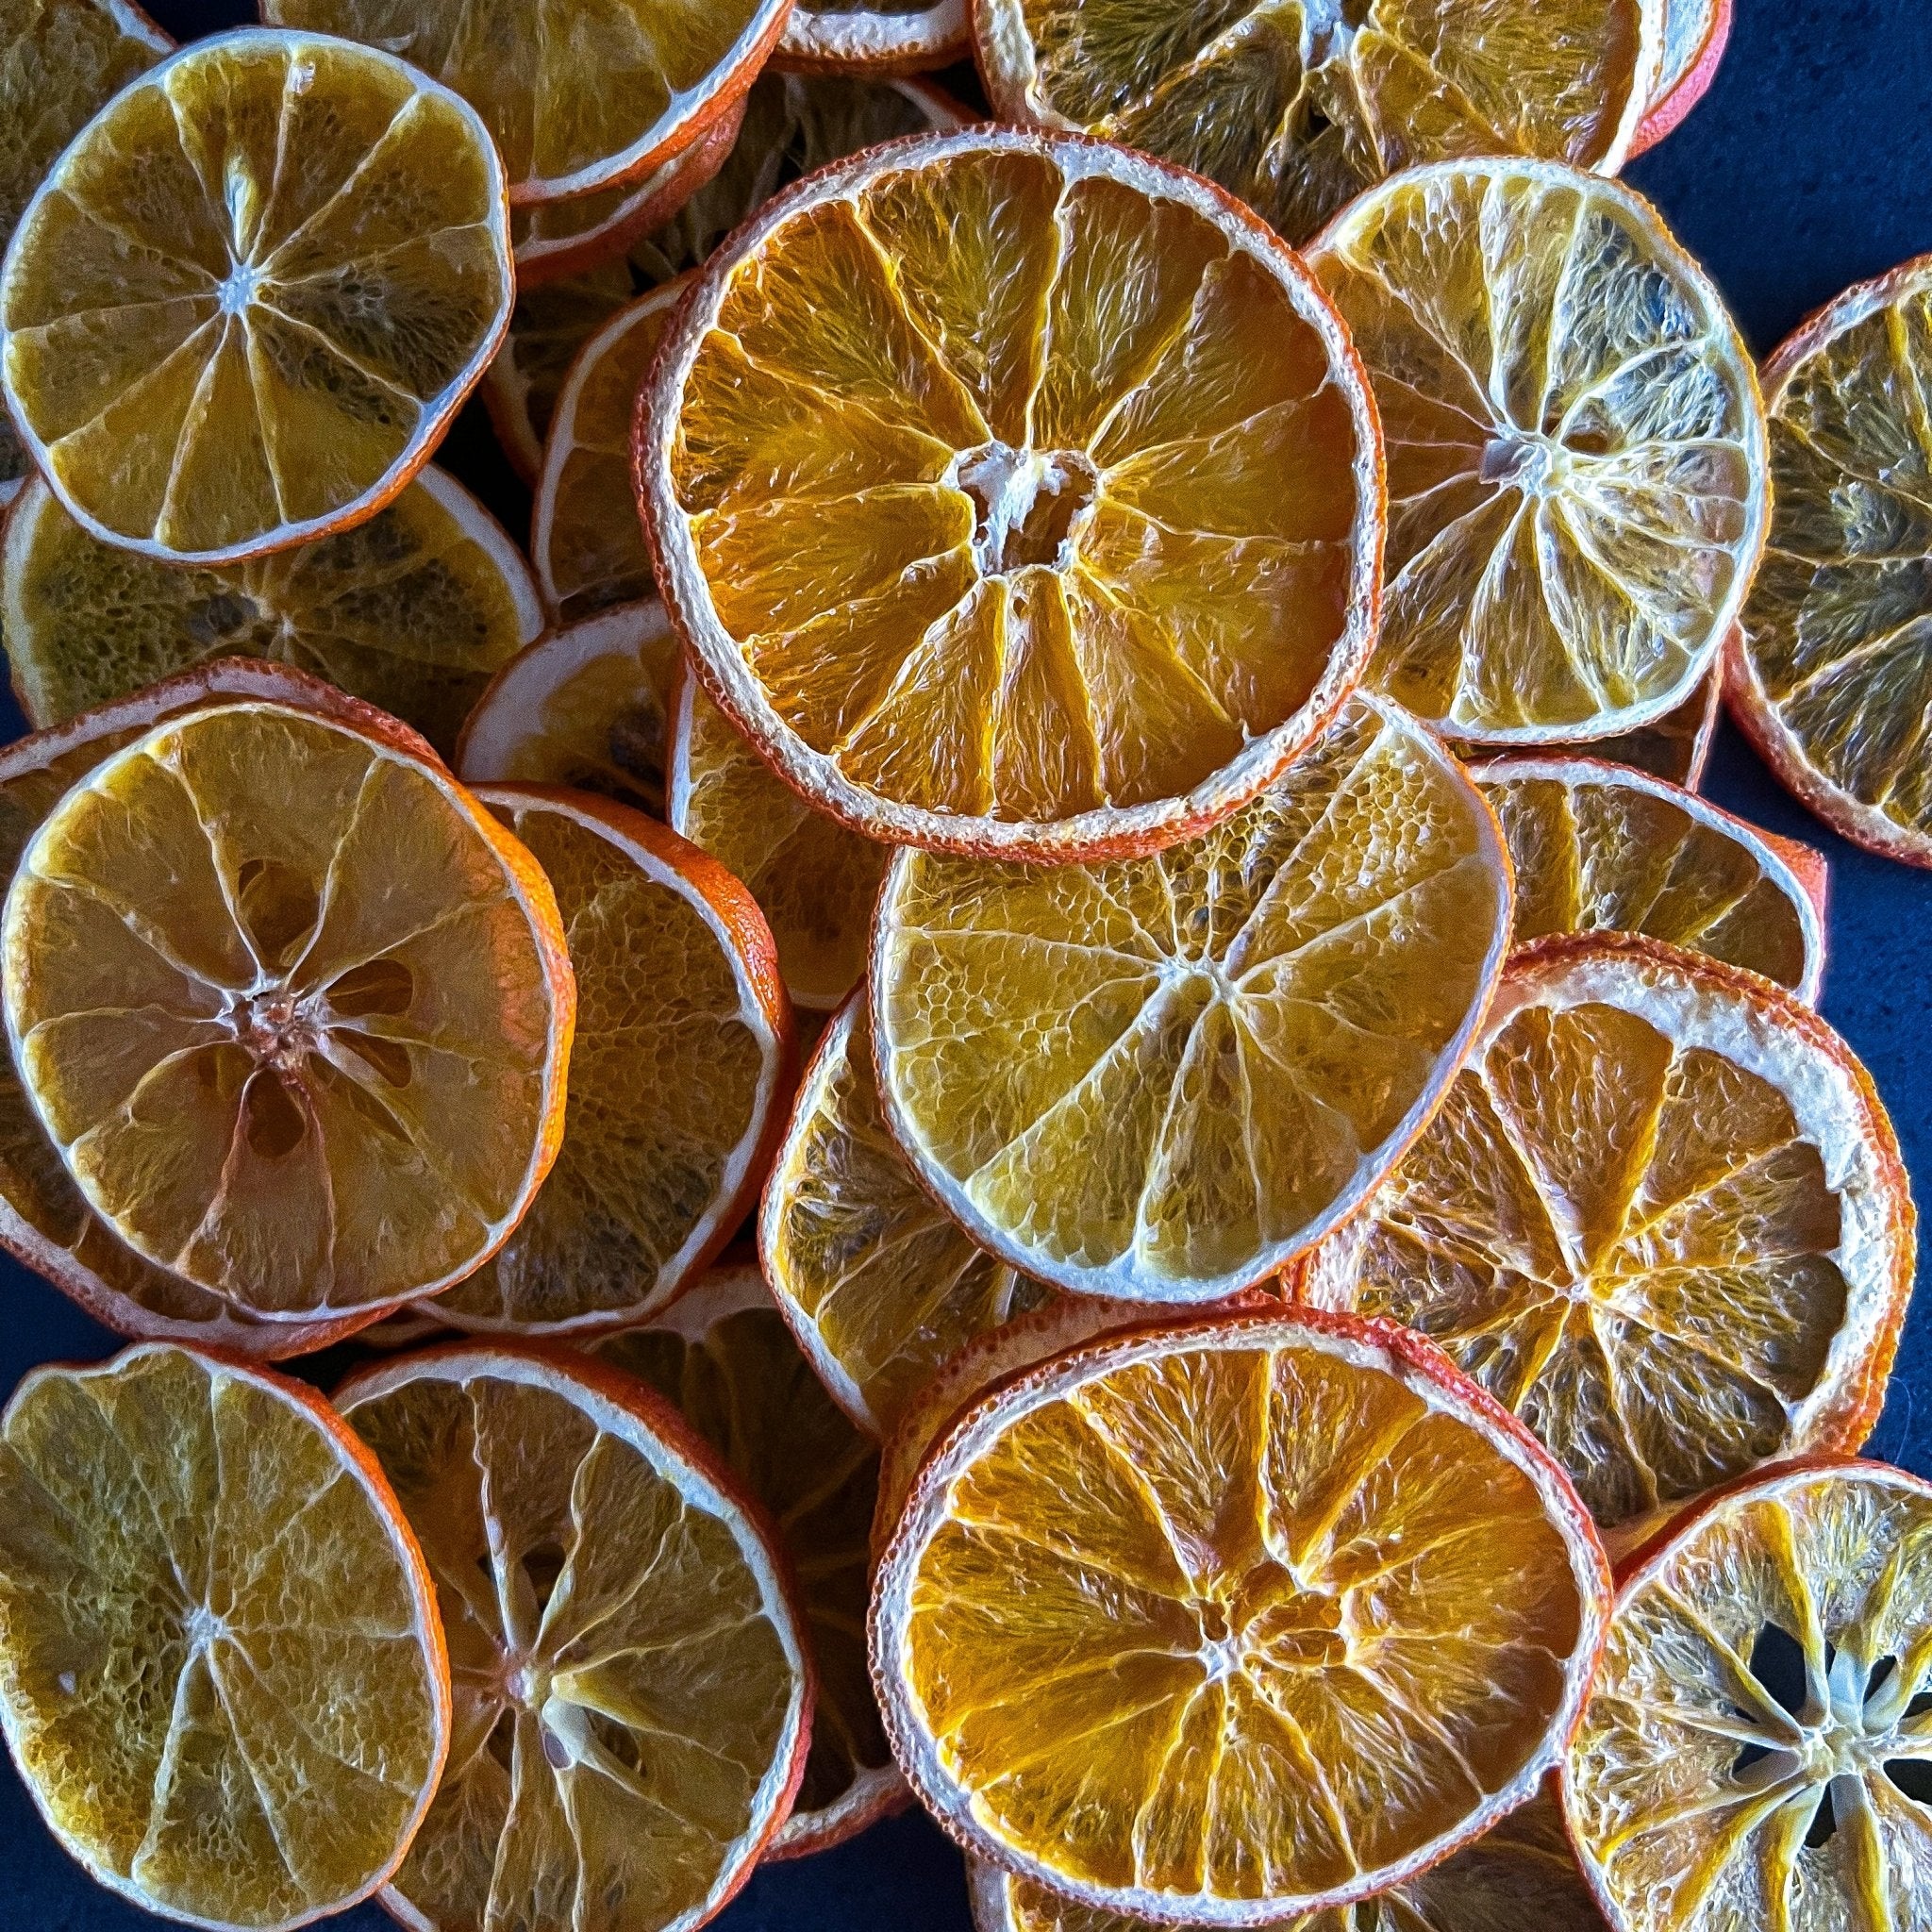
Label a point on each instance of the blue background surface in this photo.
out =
(1808, 167)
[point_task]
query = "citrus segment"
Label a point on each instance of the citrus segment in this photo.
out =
(1661, 1217)
(1756, 1751)
(723, 1355)
(294, 1009)
(1233, 1618)
(1676, 746)
(1576, 448)
(874, 37)
(632, 1696)
(1015, 494)
(1297, 107)
(221, 1670)
(1695, 33)
(414, 611)
(1163, 1077)
(678, 1072)
(242, 308)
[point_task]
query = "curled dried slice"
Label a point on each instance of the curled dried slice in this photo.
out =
(1695, 33)
(874, 37)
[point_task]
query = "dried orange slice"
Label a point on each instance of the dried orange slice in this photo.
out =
(1163, 1078)
(678, 1074)
(1576, 448)
(1235, 1618)
(1828, 674)
(874, 37)
(1695, 33)
(815, 880)
(1676, 747)
(723, 1355)
(1599, 848)
(633, 1697)
(1662, 1217)
(880, 1284)
(1755, 1750)
(1015, 496)
(243, 306)
(294, 1009)
(1297, 109)
(222, 1670)
(414, 611)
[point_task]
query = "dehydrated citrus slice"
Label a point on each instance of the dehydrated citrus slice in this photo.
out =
(60, 61)
(1164, 1078)
(1598, 848)
(815, 880)
(1758, 1750)
(221, 1670)
(1662, 1217)
(633, 1697)
(293, 1008)
(874, 37)
(678, 1074)
(880, 1284)
(1015, 496)
(1828, 674)
(1298, 107)
(242, 308)
(1235, 1618)
(414, 611)
(1676, 746)
(1577, 488)
(1695, 33)
(584, 708)
(723, 1355)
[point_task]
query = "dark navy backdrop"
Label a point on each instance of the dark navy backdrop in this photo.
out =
(1809, 167)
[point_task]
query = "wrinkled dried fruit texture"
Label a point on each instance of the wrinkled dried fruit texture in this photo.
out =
(1576, 489)
(216, 1668)
(1836, 626)
(1688, 25)
(1165, 1072)
(254, 292)
(284, 1009)
(1675, 746)
(60, 61)
(1020, 496)
(814, 880)
(1242, 1621)
(624, 1688)
(414, 611)
(1758, 1749)
(746, 1388)
(672, 1073)
(884, 1280)
(1296, 106)
(1600, 857)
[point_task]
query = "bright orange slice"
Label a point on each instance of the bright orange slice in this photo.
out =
(1757, 1750)
(1662, 1218)
(1695, 35)
(243, 306)
(222, 1670)
(678, 1074)
(294, 1009)
(1235, 1618)
(874, 37)
(1015, 496)
(633, 1697)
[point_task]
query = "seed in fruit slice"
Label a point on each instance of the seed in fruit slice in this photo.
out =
(222, 1670)
(414, 611)
(723, 1355)
(1662, 1217)
(1598, 848)
(1016, 495)
(880, 1284)
(633, 1696)
(1573, 531)
(815, 880)
(1235, 1618)
(1164, 1078)
(874, 37)
(678, 1074)
(585, 707)
(293, 1008)
(1827, 675)
(1298, 109)
(1758, 1750)
(1675, 747)
(1695, 33)
(243, 306)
